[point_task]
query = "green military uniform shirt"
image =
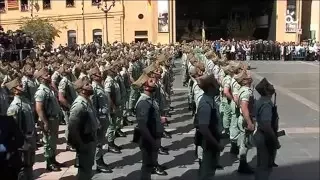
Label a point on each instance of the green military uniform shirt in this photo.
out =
(112, 87)
(66, 88)
(82, 117)
(100, 100)
(21, 110)
(45, 95)
(226, 83)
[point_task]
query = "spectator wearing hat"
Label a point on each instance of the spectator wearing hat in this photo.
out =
(265, 137)
(207, 124)
(101, 105)
(150, 127)
(48, 110)
(20, 109)
(83, 126)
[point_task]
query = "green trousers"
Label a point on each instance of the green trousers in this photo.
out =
(101, 135)
(66, 120)
(208, 165)
(86, 160)
(234, 130)
(114, 124)
(50, 138)
(134, 95)
(226, 114)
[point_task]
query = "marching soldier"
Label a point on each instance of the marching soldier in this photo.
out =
(48, 109)
(246, 124)
(20, 109)
(134, 71)
(226, 98)
(150, 127)
(207, 122)
(113, 90)
(265, 137)
(101, 105)
(83, 126)
(66, 96)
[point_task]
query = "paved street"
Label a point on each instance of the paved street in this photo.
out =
(297, 85)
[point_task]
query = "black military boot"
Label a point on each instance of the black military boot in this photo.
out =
(120, 133)
(159, 171)
(70, 148)
(167, 135)
(55, 162)
(163, 151)
(244, 168)
(51, 166)
(162, 167)
(102, 167)
(113, 148)
(234, 148)
(127, 122)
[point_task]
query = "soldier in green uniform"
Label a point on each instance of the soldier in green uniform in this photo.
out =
(207, 123)
(245, 122)
(48, 109)
(265, 137)
(123, 94)
(101, 105)
(235, 113)
(22, 112)
(112, 88)
(66, 96)
(134, 71)
(83, 126)
(226, 98)
(150, 127)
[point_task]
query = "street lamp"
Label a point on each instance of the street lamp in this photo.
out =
(106, 8)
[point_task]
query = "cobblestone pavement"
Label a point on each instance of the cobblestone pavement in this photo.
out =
(297, 85)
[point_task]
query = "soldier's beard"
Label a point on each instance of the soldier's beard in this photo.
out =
(88, 92)
(150, 89)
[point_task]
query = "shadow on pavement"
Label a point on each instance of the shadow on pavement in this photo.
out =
(183, 118)
(183, 143)
(302, 171)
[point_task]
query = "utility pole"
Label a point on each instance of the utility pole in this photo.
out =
(106, 9)
(83, 24)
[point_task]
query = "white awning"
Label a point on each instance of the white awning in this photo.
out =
(72, 34)
(97, 33)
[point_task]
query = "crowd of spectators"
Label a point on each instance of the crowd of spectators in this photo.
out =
(267, 50)
(14, 45)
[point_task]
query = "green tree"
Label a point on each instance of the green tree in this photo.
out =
(42, 30)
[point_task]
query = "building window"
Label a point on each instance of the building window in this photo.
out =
(46, 4)
(13, 5)
(72, 37)
(24, 5)
(141, 33)
(95, 2)
(97, 36)
(2, 6)
(70, 3)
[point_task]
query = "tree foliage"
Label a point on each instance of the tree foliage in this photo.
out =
(42, 30)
